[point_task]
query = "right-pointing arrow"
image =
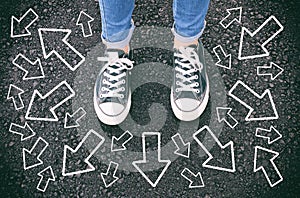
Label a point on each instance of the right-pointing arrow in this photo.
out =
(196, 180)
(145, 163)
(227, 148)
(183, 149)
(273, 70)
(14, 94)
(234, 14)
(272, 135)
(118, 144)
(109, 178)
(264, 160)
(24, 131)
(223, 114)
(224, 60)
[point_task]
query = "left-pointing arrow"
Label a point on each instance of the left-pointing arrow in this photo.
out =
(109, 178)
(14, 93)
(24, 131)
(53, 99)
(143, 165)
(31, 158)
(46, 175)
(93, 140)
(33, 70)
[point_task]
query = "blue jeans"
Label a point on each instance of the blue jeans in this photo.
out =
(117, 25)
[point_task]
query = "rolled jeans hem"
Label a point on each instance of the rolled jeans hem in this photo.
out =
(184, 39)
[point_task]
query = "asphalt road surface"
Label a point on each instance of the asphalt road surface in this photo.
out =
(151, 104)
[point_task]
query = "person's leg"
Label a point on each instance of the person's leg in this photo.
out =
(117, 25)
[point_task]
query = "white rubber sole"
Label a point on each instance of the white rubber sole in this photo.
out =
(190, 115)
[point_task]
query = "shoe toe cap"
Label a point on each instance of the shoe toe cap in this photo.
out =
(187, 104)
(111, 108)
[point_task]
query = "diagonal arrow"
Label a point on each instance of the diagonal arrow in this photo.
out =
(109, 178)
(122, 140)
(23, 23)
(273, 70)
(24, 131)
(59, 95)
(33, 70)
(145, 163)
(14, 94)
(262, 32)
(84, 20)
(46, 175)
(31, 158)
(60, 47)
(272, 135)
(234, 14)
(183, 149)
(239, 85)
(204, 145)
(267, 165)
(196, 180)
(223, 114)
(224, 60)
(71, 121)
(91, 139)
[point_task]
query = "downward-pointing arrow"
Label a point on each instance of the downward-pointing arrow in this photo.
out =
(234, 14)
(60, 47)
(273, 70)
(58, 95)
(46, 175)
(18, 26)
(122, 140)
(84, 20)
(109, 178)
(33, 70)
(145, 163)
(227, 148)
(224, 60)
(237, 95)
(256, 40)
(31, 158)
(14, 93)
(196, 180)
(183, 149)
(71, 121)
(272, 135)
(267, 165)
(94, 141)
(223, 114)
(24, 131)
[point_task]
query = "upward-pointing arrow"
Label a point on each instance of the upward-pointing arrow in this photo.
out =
(143, 165)
(234, 14)
(46, 175)
(14, 93)
(84, 20)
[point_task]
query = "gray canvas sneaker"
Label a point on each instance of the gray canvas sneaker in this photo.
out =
(112, 94)
(190, 88)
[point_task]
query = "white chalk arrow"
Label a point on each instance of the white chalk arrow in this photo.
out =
(183, 149)
(256, 47)
(273, 70)
(46, 175)
(25, 131)
(54, 41)
(71, 121)
(234, 14)
(223, 114)
(224, 60)
(227, 148)
(109, 178)
(145, 163)
(196, 180)
(59, 95)
(33, 70)
(14, 94)
(272, 135)
(266, 165)
(94, 141)
(31, 158)
(84, 20)
(18, 26)
(118, 144)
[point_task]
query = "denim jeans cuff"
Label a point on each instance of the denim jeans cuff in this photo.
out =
(184, 39)
(120, 44)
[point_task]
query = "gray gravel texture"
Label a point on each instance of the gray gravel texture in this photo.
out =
(284, 51)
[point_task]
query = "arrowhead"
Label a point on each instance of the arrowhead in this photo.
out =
(27, 133)
(116, 145)
(18, 28)
(70, 122)
(14, 91)
(262, 157)
(84, 18)
(184, 151)
(30, 160)
(108, 179)
(225, 63)
(36, 72)
(152, 177)
(275, 135)
(196, 182)
(276, 71)
(47, 173)
(222, 113)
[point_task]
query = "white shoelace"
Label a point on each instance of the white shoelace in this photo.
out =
(192, 65)
(114, 82)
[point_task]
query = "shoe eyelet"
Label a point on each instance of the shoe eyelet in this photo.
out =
(101, 96)
(122, 96)
(177, 75)
(196, 77)
(104, 81)
(177, 82)
(123, 81)
(197, 91)
(123, 89)
(102, 89)
(197, 84)
(176, 90)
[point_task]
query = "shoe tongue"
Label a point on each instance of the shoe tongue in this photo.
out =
(119, 52)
